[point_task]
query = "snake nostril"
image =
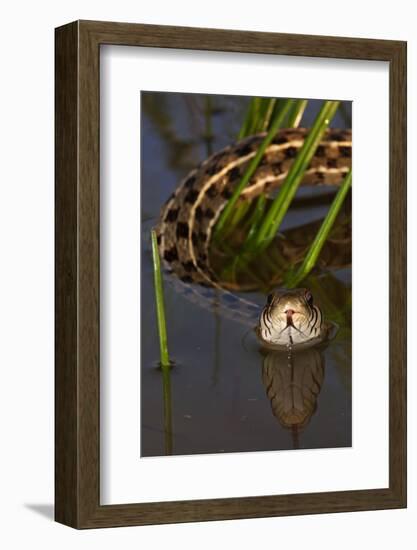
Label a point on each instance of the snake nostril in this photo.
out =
(289, 313)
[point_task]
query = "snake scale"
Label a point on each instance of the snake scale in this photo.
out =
(188, 217)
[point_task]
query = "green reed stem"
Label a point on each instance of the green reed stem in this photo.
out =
(257, 215)
(244, 129)
(296, 113)
(269, 109)
(281, 203)
(229, 272)
(238, 214)
(251, 119)
(312, 255)
(159, 298)
(278, 105)
(276, 124)
(294, 118)
(258, 116)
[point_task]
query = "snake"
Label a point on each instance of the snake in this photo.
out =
(187, 219)
(290, 319)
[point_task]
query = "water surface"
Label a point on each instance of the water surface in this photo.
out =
(217, 396)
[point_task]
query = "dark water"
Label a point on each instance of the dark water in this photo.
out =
(223, 394)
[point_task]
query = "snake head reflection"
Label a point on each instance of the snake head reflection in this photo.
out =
(293, 383)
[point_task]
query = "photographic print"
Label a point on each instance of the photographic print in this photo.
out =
(203, 270)
(246, 286)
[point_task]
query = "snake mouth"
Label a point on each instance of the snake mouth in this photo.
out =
(290, 325)
(289, 313)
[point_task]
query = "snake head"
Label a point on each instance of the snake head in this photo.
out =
(290, 318)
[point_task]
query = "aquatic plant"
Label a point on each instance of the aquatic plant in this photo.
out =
(296, 113)
(263, 222)
(276, 124)
(262, 115)
(166, 390)
(293, 279)
(159, 302)
(279, 207)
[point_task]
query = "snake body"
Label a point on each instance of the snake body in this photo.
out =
(187, 219)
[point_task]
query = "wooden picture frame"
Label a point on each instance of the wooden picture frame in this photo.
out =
(77, 372)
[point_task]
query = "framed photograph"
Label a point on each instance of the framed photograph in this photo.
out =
(230, 274)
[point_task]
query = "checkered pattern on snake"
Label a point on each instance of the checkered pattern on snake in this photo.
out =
(187, 219)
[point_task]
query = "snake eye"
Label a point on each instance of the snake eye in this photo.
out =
(269, 299)
(309, 297)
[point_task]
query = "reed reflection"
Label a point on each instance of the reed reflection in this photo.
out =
(166, 389)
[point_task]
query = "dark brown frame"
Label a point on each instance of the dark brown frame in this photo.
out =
(77, 274)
